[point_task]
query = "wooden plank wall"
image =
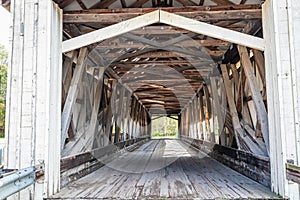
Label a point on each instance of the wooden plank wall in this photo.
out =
(97, 109)
(230, 109)
(33, 95)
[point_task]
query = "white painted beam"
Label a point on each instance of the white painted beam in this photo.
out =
(211, 30)
(110, 31)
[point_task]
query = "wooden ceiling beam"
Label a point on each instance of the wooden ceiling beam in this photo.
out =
(163, 29)
(187, 2)
(162, 63)
(186, 43)
(138, 4)
(166, 54)
(103, 4)
(142, 11)
(204, 16)
(223, 2)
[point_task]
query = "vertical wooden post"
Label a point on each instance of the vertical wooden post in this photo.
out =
(71, 98)
(33, 103)
(92, 131)
(149, 125)
(179, 125)
(218, 111)
(202, 118)
(282, 57)
(232, 107)
(109, 120)
(130, 121)
(119, 114)
(187, 121)
(207, 113)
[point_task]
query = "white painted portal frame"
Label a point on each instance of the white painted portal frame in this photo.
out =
(33, 121)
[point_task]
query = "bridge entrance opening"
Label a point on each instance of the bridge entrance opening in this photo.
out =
(87, 108)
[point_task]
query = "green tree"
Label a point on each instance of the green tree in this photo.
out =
(3, 79)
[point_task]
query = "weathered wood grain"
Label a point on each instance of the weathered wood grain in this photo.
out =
(164, 169)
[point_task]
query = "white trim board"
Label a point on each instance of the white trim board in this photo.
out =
(160, 16)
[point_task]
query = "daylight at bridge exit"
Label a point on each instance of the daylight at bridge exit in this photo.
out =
(149, 99)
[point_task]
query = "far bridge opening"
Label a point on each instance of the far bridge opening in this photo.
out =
(164, 127)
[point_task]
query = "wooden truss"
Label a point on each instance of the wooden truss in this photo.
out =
(160, 16)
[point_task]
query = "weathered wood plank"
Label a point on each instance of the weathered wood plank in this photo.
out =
(260, 108)
(211, 30)
(185, 173)
(67, 111)
(107, 18)
(207, 114)
(230, 100)
(218, 110)
(293, 172)
(109, 32)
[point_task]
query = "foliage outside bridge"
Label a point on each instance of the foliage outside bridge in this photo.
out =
(3, 79)
(165, 127)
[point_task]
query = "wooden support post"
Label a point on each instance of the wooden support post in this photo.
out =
(196, 117)
(232, 108)
(256, 95)
(260, 62)
(92, 131)
(242, 107)
(207, 114)
(71, 98)
(67, 72)
(149, 124)
(130, 117)
(138, 120)
(200, 123)
(33, 103)
(187, 121)
(282, 57)
(109, 116)
(134, 118)
(191, 125)
(179, 125)
(202, 118)
(119, 114)
(218, 111)
(126, 116)
(196, 108)
(235, 75)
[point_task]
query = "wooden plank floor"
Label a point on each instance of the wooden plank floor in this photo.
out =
(163, 169)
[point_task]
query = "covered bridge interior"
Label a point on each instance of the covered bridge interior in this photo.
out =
(126, 62)
(113, 88)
